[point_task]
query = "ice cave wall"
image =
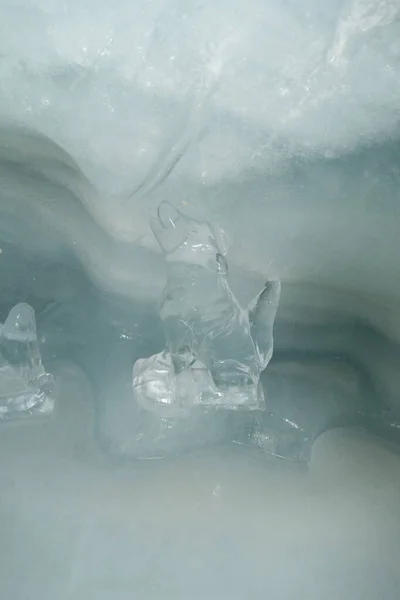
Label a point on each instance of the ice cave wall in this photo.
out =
(278, 120)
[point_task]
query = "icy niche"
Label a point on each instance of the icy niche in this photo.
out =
(215, 351)
(25, 387)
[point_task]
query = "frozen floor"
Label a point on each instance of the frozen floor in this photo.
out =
(222, 523)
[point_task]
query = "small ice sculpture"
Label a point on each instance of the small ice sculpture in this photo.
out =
(215, 351)
(25, 387)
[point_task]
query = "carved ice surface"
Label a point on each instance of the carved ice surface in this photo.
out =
(215, 351)
(25, 387)
(306, 396)
(281, 437)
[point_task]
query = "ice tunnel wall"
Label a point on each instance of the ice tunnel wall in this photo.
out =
(279, 122)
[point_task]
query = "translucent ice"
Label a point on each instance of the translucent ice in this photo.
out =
(307, 396)
(215, 351)
(25, 387)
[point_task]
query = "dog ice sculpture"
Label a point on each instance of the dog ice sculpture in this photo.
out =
(25, 387)
(215, 351)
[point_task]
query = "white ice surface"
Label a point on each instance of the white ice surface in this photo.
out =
(220, 524)
(244, 112)
(121, 84)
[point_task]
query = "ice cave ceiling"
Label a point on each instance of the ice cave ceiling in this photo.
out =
(278, 120)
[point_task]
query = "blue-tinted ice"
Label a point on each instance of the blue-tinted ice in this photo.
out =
(307, 395)
(25, 387)
(215, 350)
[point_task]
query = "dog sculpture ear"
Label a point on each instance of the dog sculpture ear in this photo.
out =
(170, 227)
(168, 215)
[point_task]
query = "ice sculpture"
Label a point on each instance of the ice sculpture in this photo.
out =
(25, 387)
(215, 351)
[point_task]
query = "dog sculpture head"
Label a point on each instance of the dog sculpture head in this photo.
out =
(187, 240)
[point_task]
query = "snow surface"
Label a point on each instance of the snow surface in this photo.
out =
(259, 115)
(217, 524)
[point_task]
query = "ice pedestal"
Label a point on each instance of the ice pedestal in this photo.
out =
(159, 388)
(215, 351)
(25, 387)
(126, 430)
